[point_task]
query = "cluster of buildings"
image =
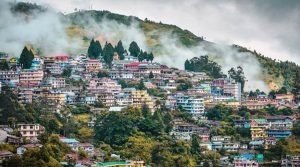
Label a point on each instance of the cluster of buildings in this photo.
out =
(264, 133)
(45, 79)
(65, 80)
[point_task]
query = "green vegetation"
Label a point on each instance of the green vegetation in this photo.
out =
(4, 65)
(26, 58)
(136, 134)
(49, 155)
(108, 53)
(238, 76)
(120, 50)
(203, 64)
(94, 50)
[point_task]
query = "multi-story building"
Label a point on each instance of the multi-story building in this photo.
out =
(242, 162)
(192, 104)
(55, 96)
(140, 98)
(258, 128)
(25, 95)
(30, 77)
(184, 131)
(53, 68)
(280, 126)
(291, 161)
(104, 85)
(231, 146)
(120, 74)
(30, 131)
(57, 82)
(107, 98)
(9, 77)
(37, 63)
(123, 99)
(93, 65)
(234, 89)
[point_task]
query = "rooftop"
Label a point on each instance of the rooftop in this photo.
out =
(116, 163)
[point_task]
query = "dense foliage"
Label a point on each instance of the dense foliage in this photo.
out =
(95, 49)
(203, 64)
(26, 58)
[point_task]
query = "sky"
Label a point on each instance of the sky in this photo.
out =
(271, 27)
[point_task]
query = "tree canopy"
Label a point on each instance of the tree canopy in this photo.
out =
(26, 58)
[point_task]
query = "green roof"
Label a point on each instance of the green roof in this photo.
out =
(115, 163)
(261, 121)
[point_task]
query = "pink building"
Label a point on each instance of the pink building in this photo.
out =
(30, 131)
(31, 77)
(104, 85)
(93, 65)
(242, 162)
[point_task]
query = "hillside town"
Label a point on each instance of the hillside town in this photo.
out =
(79, 80)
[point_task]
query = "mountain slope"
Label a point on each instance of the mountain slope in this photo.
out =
(84, 25)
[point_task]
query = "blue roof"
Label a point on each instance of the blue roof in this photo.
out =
(247, 156)
(67, 140)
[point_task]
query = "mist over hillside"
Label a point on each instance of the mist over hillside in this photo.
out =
(52, 33)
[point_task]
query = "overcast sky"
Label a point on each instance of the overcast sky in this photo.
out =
(272, 27)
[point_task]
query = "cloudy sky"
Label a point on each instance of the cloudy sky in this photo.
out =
(271, 27)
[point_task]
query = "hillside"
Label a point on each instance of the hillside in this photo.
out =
(107, 26)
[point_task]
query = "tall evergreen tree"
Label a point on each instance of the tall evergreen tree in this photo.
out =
(108, 53)
(151, 75)
(134, 49)
(141, 56)
(195, 145)
(120, 50)
(151, 57)
(187, 65)
(26, 58)
(94, 49)
(98, 48)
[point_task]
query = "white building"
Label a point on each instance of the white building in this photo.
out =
(57, 82)
(233, 89)
(192, 104)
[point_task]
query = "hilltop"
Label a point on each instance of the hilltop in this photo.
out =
(81, 26)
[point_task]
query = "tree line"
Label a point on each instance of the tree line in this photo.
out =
(95, 50)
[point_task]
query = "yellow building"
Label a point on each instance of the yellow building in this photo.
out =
(141, 97)
(258, 128)
(57, 97)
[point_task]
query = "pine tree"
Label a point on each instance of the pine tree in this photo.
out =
(98, 49)
(195, 145)
(26, 58)
(141, 56)
(120, 50)
(151, 57)
(94, 49)
(91, 49)
(108, 53)
(134, 49)
(141, 85)
(151, 75)
(187, 65)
